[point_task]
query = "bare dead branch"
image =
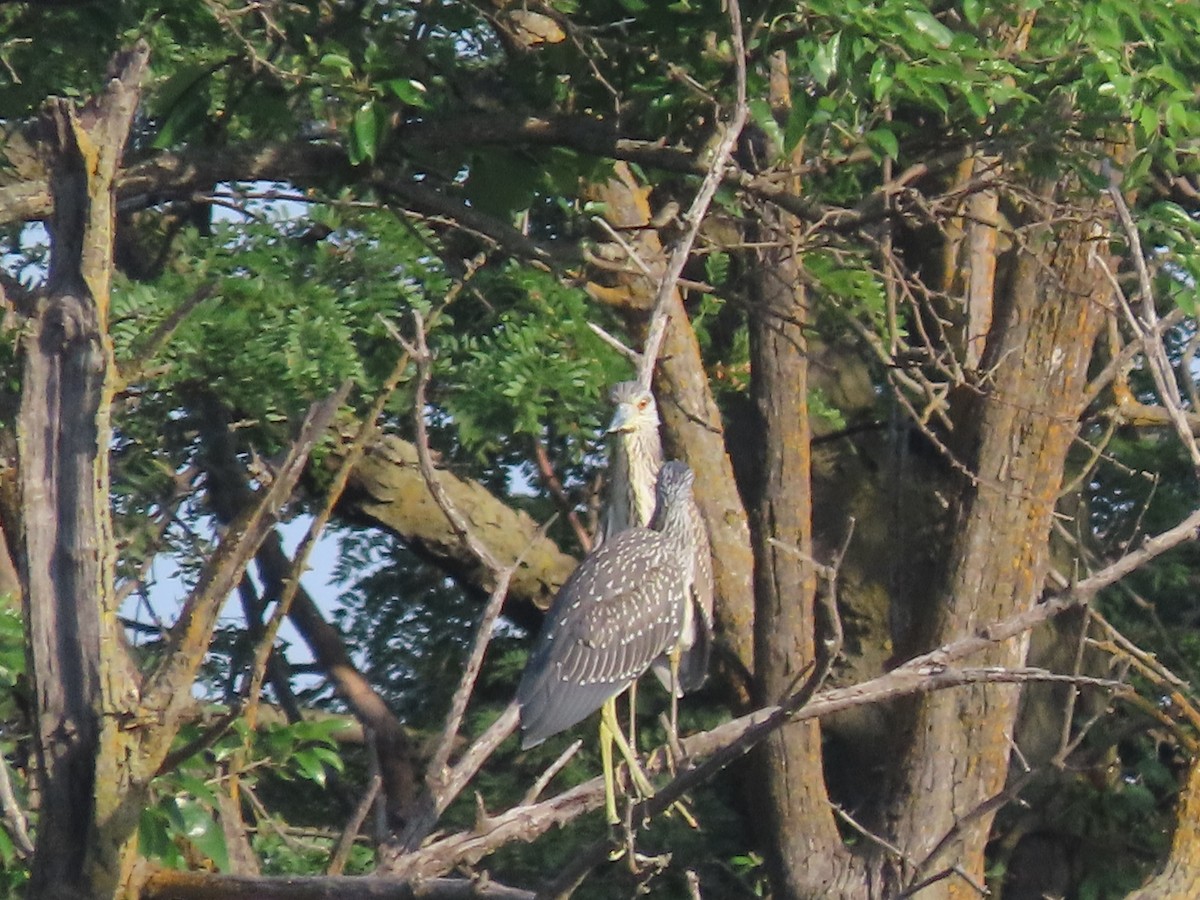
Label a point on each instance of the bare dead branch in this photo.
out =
(553, 769)
(169, 686)
(419, 351)
(170, 884)
(694, 217)
(437, 775)
(716, 748)
(351, 457)
(1146, 325)
(430, 807)
(15, 821)
(1127, 353)
(930, 672)
(1152, 547)
(554, 485)
(614, 342)
(345, 843)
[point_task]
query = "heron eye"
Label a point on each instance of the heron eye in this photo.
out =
(643, 403)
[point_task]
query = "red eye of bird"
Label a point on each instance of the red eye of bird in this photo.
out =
(643, 403)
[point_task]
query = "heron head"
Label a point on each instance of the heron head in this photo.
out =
(634, 408)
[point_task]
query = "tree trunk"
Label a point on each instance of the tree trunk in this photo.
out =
(80, 674)
(1180, 877)
(1018, 427)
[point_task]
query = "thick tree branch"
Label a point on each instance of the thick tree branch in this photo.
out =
(388, 490)
(169, 884)
(933, 671)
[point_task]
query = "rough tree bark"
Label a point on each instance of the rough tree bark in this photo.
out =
(102, 729)
(804, 850)
(1013, 438)
(65, 552)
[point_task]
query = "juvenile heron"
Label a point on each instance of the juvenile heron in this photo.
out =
(635, 458)
(622, 609)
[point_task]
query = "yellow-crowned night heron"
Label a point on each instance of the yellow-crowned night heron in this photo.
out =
(635, 457)
(622, 608)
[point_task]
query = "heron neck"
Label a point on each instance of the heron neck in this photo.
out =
(637, 457)
(671, 521)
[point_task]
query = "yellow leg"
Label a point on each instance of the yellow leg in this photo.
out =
(673, 659)
(633, 715)
(606, 760)
(608, 718)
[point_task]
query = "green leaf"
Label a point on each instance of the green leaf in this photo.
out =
(409, 91)
(716, 268)
(197, 789)
(205, 832)
(154, 839)
(880, 77)
(365, 133)
(925, 23)
(884, 141)
(335, 62)
(824, 62)
(764, 118)
(972, 10)
(184, 118)
(309, 765)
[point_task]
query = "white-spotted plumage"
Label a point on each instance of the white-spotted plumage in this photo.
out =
(621, 610)
(635, 457)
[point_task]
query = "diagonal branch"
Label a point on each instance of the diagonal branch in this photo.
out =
(169, 686)
(694, 217)
(932, 671)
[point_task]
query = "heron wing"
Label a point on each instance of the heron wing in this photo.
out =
(616, 614)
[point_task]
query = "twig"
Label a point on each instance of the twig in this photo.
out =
(169, 687)
(429, 807)
(341, 853)
(616, 343)
(694, 217)
(1147, 324)
(555, 486)
(15, 822)
(932, 671)
(436, 773)
(1127, 353)
(871, 836)
(420, 352)
(283, 603)
(546, 777)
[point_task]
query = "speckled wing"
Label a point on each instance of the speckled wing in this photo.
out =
(616, 614)
(697, 641)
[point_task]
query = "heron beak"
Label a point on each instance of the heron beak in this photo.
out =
(622, 419)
